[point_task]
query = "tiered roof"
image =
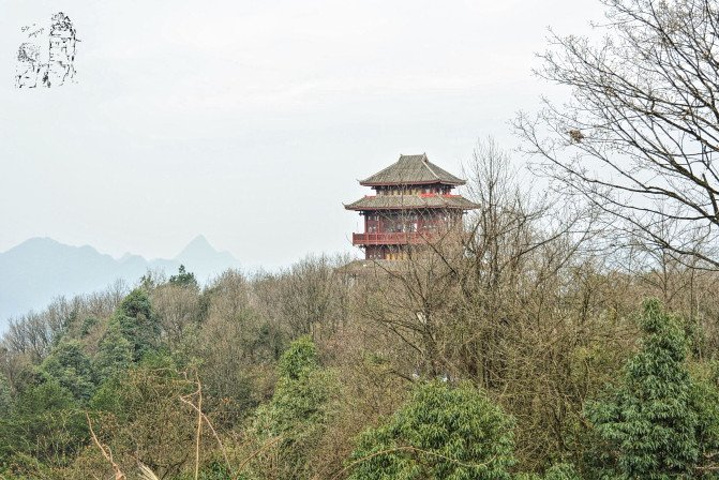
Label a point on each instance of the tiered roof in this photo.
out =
(412, 170)
(408, 171)
(400, 202)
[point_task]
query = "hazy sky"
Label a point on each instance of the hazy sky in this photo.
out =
(250, 122)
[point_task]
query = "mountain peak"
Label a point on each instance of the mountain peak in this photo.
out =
(201, 258)
(200, 239)
(198, 245)
(39, 269)
(46, 246)
(35, 242)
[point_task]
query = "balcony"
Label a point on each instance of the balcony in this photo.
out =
(398, 238)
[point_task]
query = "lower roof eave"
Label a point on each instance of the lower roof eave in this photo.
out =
(374, 209)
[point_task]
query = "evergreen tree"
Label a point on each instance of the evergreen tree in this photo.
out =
(137, 322)
(46, 426)
(184, 278)
(114, 355)
(5, 396)
(649, 424)
(705, 402)
(561, 471)
(298, 412)
(446, 432)
(88, 324)
(71, 368)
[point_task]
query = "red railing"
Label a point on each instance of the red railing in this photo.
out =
(399, 238)
(423, 195)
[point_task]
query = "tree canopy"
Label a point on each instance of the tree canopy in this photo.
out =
(650, 422)
(640, 135)
(446, 432)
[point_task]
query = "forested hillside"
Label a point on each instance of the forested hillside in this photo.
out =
(525, 347)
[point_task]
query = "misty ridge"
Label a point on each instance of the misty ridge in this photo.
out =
(38, 270)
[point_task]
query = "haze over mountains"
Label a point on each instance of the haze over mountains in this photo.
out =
(40, 269)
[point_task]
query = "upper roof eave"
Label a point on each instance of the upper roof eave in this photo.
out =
(365, 183)
(412, 170)
(432, 207)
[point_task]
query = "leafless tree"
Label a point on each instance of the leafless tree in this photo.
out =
(640, 135)
(309, 298)
(518, 248)
(178, 309)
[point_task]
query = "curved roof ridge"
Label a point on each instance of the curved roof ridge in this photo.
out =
(412, 170)
(428, 164)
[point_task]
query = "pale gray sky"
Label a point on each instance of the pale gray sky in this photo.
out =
(250, 122)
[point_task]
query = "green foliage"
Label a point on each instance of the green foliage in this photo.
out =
(136, 304)
(561, 471)
(88, 324)
(109, 398)
(298, 413)
(5, 396)
(651, 424)
(114, 355)
(46, 396)
(141, 418)
(184, 279)
(661, 420)
(705, 403)
(71, 368)
(446, 432)
(300, 394)
(137, 322)
(125, 395)
(213, 471)
(46, 426)
(299, 361)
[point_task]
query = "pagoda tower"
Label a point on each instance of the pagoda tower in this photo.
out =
(413, 204)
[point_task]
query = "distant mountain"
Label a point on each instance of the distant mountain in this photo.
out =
(203, 260)
(40, 269)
